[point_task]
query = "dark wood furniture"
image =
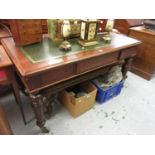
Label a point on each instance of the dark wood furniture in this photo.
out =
(44, 26)
(123, 25)
(26, 31)
(144, 62)
(7, 66)
(58, 70)
(5, 128)
(4, 31)
(5, 22)
(102, 25)
(5, 63)
(4, 82)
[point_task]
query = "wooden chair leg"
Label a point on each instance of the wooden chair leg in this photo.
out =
(5, 128)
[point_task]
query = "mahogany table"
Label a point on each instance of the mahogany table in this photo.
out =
(44, 69)
(7, 66)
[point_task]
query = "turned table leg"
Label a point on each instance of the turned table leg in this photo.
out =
(48, 104)
(38, 107)
(126, 67)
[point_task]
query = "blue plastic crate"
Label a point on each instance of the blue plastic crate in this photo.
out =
(107, 94)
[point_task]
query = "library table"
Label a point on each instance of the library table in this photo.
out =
(45, 70)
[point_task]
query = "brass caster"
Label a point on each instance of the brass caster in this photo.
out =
(44, 130)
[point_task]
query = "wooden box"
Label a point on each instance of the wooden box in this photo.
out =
(79, 105)
(26, 31)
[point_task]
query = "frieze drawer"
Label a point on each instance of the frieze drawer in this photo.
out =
(28, 39)
(130, 52)
(24, 23)
(96, 62)
(30, 31)
(51, 76)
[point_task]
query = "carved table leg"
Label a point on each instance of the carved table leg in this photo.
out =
(38, 107)
(126, 67)
(48, 100)
(48, 106)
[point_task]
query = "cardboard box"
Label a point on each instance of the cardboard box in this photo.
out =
(79, 105)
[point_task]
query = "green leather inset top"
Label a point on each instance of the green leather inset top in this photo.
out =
(47, 49)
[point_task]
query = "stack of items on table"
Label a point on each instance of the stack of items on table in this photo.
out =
(81, 98)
